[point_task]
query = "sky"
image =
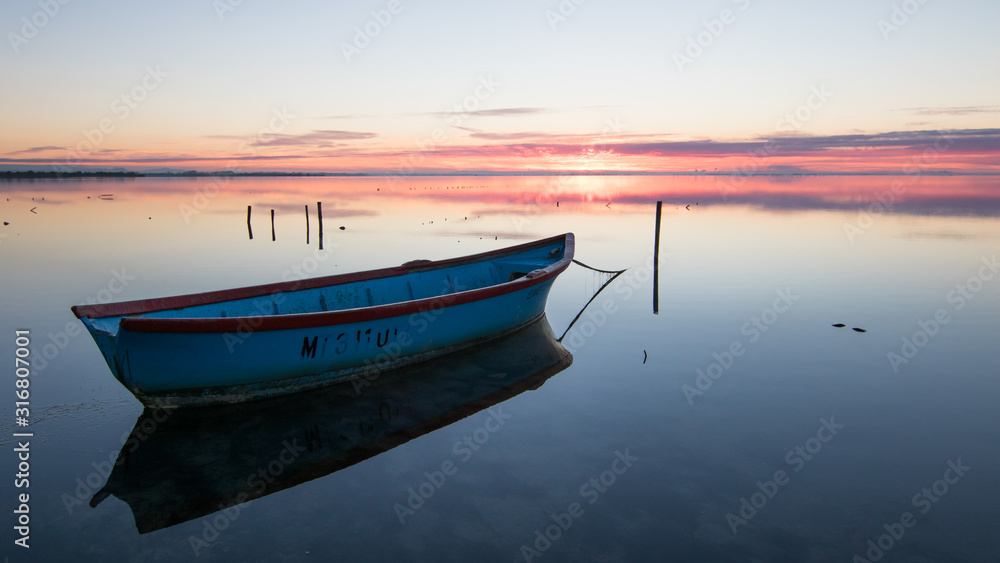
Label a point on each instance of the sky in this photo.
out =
(404, 86)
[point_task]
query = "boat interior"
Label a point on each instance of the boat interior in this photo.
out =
(445, 279)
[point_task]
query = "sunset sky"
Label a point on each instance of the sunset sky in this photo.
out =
(409, 86)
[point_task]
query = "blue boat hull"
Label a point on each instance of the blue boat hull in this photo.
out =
(211, 352)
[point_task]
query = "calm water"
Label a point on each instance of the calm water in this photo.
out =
(737, 424)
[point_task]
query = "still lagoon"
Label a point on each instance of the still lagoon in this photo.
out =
(737, 422)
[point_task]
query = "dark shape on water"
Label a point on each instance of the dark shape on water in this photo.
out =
(272, 225)
(249, 228)
(855, 329)
(656, 262)
(840, 325)
(5, 223)
(183, 464)
(319, 218)
(645, 356)
(343, 228)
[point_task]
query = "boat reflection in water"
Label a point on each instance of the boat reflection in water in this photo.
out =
(181, 464)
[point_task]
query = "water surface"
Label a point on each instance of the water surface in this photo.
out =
(687, 415)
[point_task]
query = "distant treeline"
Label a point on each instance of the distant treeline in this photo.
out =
(32, 174)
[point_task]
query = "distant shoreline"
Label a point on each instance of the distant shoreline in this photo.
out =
(47, 175)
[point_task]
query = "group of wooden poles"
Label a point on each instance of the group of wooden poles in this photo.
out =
(319, 213)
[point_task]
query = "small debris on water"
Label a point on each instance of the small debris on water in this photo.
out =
(840, 325)
(856, 329)
(343, 228)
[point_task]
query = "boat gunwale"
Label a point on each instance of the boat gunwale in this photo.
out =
(323, 318)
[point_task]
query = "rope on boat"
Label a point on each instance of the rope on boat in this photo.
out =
(575, 261)
(615, 273)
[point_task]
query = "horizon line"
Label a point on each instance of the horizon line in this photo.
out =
(11, 174)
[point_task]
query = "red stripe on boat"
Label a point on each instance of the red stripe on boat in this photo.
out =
(310, 320)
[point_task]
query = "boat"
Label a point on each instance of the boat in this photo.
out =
(255, 342)
(177, 465)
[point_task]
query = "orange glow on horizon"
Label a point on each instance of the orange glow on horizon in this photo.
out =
(627, 155)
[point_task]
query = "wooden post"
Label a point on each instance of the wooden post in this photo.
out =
(656, 261)
(249, 228)
(272, 225)
(307, 223)
(319, 214)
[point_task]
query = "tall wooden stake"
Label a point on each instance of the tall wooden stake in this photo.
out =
(319, 213)
(656, 261)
